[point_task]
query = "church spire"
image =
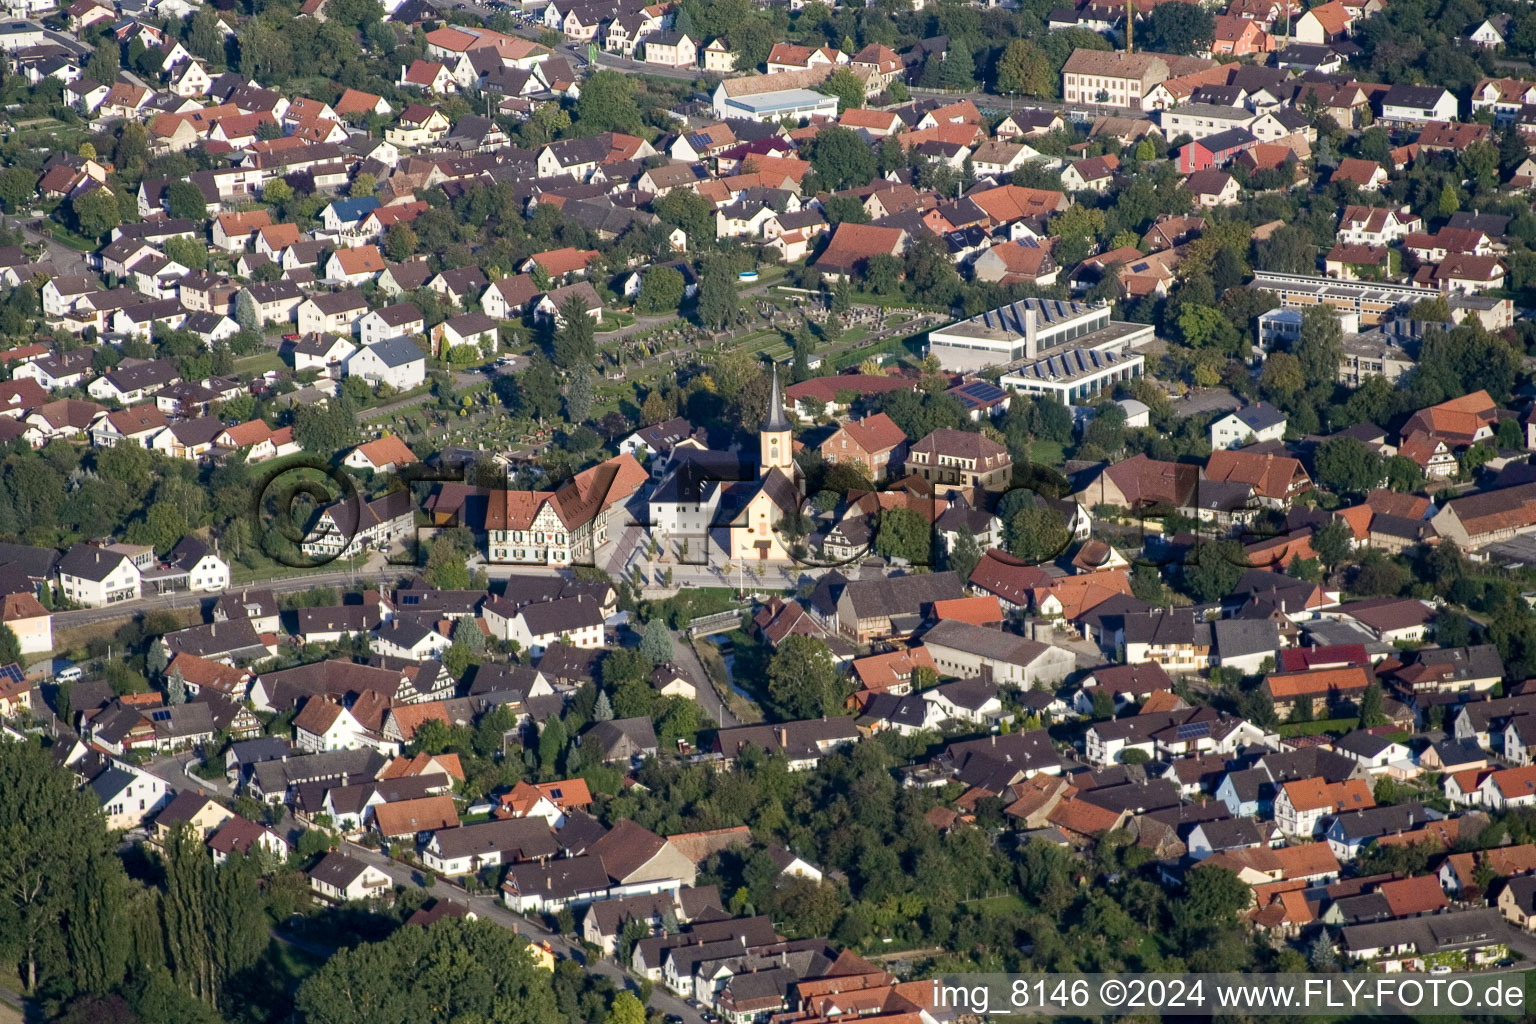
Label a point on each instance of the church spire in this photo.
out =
(776, 420)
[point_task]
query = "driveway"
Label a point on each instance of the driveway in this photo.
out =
(69, 261)
(1203, 400)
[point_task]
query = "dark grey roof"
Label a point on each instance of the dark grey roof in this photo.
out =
(331, 303)
(264, 748)
(1362, 743)
(1380, 821)
(1232, 833)
(1238, 637)
(578, 833)
(1479, 662)
(564, 615)
(989, 643)
(512, 838)
(1433, 933)
(1259, 416)
(230, 637)
(90, 563)
(338, 869)
(909, 710)
(110, 783)
(1412, 96)
(37, 563)
(898, 595)
(623, 738)
(563, 879)
(397, 352)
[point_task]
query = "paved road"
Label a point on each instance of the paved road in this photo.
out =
(987, 99)
(491, 908)
(69, 261)
(378, 571)
(705, 695)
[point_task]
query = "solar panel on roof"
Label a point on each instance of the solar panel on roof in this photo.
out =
(1194, 730)
(160, 716)
(11, 673)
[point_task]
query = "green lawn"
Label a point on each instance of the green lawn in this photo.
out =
(1005, 906)
(1047, 453)
(261, 362)
(614, 321)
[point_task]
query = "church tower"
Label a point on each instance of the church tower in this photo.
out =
(775, 437)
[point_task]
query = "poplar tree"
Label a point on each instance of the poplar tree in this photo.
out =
(61, 886)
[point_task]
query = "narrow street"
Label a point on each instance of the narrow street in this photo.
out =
(69, 261)
(491, 908)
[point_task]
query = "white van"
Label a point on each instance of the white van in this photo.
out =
(73, 674)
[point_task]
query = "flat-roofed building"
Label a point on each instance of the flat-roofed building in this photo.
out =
(1372, 301)
(1024, 331)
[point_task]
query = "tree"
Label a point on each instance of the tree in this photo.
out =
(905, 535)
(1345, 464)
(1370, 707)
(446, 568)
(17, 187)
(661, 291)
(551, 744)
(212, 915)
(538, 390)
(1037, 533)
(326, 429)
(1403, 474)
(400, 242)
(277, 191)
(1450, 202)
(1320, 347)
(688, 210)
(964, 555)
(804, 681)
(959, 68)
(1215, 569)
(175, 688)
(1190, 29)
(579, 396)
(96, 212)
(1379, 577)
(576, 337)
(63, 920)
(719, 302)
(184, 199)
(882, 274)
(846, 86)
(1281, 378)
(10, 647)
(1332, 543)
(363, 185)
(247, 315)
(602, 707)
(656, 642)
(626, 1009)
(607, 104)
(1024, 69)
(1204, 326)
(466, 631)
(842, 159)
(455, 970)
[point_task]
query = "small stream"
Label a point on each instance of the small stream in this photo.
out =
(729, 657)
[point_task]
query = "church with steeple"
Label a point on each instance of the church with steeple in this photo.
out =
(708, 504)
(778, 490)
